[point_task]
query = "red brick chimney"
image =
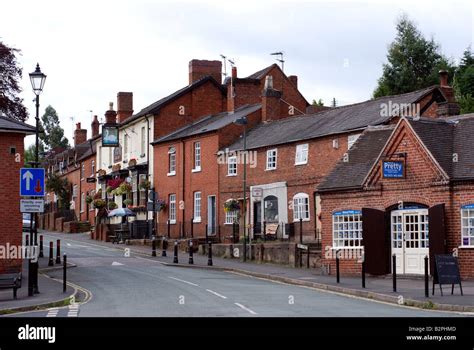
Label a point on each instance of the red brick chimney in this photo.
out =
(200, 68)
(95, 127)
(124, 106)
(443, 78)
(80, 135)
(111, 115)
(451, 107)
(270, 101)
(294, 80)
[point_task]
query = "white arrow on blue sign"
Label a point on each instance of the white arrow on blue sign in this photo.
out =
(31, 182)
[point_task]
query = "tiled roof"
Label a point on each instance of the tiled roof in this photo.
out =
(262, 73)
(209, 123)
(332, 121)
(7, 124)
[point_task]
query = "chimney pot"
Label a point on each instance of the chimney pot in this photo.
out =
(78, 126)
(443, 78)
(95, 127)
(234, 72)
(111, 106)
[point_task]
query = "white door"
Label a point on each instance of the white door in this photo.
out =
(410, 240)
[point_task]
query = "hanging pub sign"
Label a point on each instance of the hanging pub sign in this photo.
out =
(393, 169)
(110, 135)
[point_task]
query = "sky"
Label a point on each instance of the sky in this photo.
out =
(90, 50)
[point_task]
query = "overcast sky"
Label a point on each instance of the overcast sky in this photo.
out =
(90, 50)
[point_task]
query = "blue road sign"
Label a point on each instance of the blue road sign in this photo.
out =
(31, 182)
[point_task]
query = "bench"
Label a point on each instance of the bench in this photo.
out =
(11, 280)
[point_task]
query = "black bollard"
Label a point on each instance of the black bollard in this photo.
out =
(209, 256)
(27, 240)
(153, 246)
(51, 261)
(394, 272)
(363, 273)
(58, 251)
(164, 245)
(337, 267)
(41, 255)
(64, 273)
(191, 259)
(427, 293)
(168, 228)
(175, 258)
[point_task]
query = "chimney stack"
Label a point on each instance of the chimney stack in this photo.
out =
(80, 135)
(124, 106)
(443, 78)
(234, 72)
(199, 69)
(95, 127)
(294, 80)
(270, 101)
(111, 115)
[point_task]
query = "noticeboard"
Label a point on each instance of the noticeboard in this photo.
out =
(447, 271)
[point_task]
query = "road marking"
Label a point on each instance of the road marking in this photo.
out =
(177, 279)
(115, 263)
(69, 244)
(215, 293)
(52, 313)
(245, 308)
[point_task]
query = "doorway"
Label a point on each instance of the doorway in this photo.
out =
(410, 239)
(211, 215)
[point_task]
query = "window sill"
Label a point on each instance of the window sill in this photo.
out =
(270, 169)
(172, 222)
(345, 248)
(231, 175)
(304, 220)
(466, 247)
(305, 163)
(171, 174)
(197, 220)
(197, 170)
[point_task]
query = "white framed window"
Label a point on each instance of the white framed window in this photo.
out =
(74, 191)
(92, 194)
(301, 154)
(232, 166)
(125, 146)
(172, 209)
(83, 202)
(171, 161)
(197, 207)
(197, 156)
(351, 139)
(83, 170)
(301, 207)
(92, 168)
(231, 217)
(143, 141)
(467, 226)
(271, 159)
(347, 229)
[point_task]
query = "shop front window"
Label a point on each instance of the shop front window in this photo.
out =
(271, 209)
(467, 226)
(347, 228)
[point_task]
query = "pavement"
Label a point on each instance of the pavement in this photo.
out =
(51, 292)
(124, 280)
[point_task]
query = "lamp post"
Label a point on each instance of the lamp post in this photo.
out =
(37, 79)
(243, 121)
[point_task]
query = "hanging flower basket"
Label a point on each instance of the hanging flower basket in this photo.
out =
(144, 185)
(89, 199)
(112, 205)
(116, 167)
(132, 162)
(101, 172)
(231, 205)
(128, 202)
(161, 205)
(98, 203)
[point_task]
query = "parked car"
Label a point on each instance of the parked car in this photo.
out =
(26, 221)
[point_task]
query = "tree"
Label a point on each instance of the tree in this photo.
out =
(60, 187)
(318, 103)
(10, 76)
(51, 133)
(29, 156)
(464, 82)
(413, 62)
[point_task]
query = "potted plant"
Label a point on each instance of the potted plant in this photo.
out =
(112, 205)
(132, 162)
(101, 172)
(116, 167)
(89, 199)
(231, 205)
(128, 202)
(98, 203)
(125, 188)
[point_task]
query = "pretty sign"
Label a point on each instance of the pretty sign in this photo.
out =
(393, 169)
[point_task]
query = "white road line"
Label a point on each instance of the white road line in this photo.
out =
(177, 279)
(52, 313)
(215, 293)
(246, 308)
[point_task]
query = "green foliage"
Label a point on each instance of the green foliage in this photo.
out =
(318, 103)
(51, 133)
(413, 62)
(10, 77)
(112, 205)
(60, 187)
(127, 202)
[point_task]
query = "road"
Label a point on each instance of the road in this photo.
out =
(137, 286)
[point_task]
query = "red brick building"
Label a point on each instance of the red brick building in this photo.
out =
(12, 134)
(293, 155)
(406, 190)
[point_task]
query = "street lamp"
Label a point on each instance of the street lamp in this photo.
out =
(37, 79)
(243, 121)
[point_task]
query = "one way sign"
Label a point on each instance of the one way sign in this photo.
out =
(32, 182)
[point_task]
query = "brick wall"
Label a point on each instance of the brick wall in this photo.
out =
(87, 213)
(10, 216)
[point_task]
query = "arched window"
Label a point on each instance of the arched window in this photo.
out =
(300, 207)
(271, 208)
